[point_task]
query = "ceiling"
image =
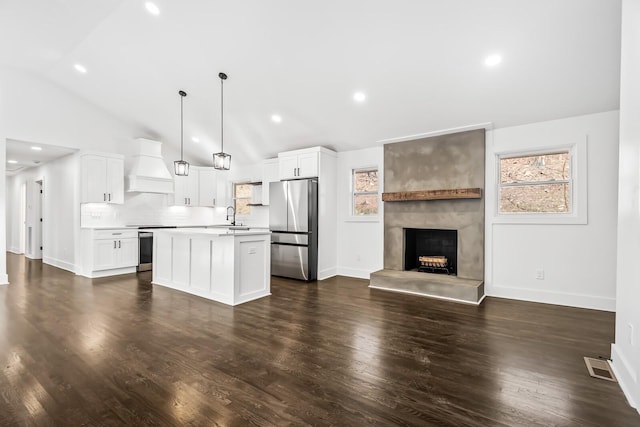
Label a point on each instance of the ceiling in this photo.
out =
(22, 155)
(419, 62)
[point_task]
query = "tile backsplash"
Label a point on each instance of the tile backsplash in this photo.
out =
(153, 209)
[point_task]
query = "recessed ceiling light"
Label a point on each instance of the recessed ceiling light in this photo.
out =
(152, 8)
(359, 97)
(492, 60)
(36, 148)
(80, 68)
(13, 162)
(276, 118)
(195, 139)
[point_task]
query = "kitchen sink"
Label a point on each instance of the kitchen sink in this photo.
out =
(238, 227)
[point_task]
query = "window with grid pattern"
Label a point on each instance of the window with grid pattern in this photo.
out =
(242, 198)
(365, 192)
(538, 183)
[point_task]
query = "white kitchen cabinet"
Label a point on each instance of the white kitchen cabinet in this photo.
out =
(298, 164)
(102, 178)
(200, 188)
(224, 193)
(107, 252)
(207, 187)
(181, 246)
(270, 173)
(186, 189)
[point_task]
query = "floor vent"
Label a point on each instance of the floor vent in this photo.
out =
(599, 368)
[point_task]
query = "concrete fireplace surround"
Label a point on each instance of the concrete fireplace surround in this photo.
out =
(451, 161)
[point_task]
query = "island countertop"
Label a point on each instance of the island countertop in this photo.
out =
(217, 231)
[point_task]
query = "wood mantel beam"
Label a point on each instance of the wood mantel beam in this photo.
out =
(457, 193)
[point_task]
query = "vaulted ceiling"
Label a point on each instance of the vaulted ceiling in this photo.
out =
(420, 64)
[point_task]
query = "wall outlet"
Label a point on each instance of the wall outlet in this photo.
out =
(540, 274)
(630, 331)
(358, 258)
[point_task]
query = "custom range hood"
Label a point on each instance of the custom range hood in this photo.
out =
(149, 173)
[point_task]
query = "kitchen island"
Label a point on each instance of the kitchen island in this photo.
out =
(231, 266)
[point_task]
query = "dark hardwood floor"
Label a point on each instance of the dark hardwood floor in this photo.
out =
(119, 351)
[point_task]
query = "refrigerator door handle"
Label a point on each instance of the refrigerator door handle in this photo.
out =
(290, 244)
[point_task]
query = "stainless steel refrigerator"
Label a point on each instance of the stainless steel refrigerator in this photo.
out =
(293, 221)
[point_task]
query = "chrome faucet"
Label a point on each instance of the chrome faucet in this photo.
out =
(233, 213)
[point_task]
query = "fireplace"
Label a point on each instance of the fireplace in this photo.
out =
(431, 250)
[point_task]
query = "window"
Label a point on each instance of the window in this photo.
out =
(242, 198)
(539, 183)
(365, 192)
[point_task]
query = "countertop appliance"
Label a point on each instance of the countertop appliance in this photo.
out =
(293, 221)
(145, 245)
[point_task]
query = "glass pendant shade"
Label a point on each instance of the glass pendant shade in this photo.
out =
(181, 168)
(222, 161)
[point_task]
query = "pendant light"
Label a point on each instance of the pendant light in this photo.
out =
(181, 167)
(222, 160)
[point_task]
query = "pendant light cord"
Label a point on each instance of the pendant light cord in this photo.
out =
(222, 115)
(181, 125)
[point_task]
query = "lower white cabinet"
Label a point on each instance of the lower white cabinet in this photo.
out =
(109, 252)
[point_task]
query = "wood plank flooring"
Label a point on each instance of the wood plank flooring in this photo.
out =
(119, 351)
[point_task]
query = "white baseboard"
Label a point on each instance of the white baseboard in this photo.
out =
(15, 250)
(107, 273)
(59, 264)
(4, 279)
(625, 374)
(327, 273)
(354, 272)
(557, 298)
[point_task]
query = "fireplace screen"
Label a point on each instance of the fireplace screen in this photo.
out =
(431, 250)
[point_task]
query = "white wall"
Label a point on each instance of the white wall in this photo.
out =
(360, 247)
(626, 350)
(577, 259)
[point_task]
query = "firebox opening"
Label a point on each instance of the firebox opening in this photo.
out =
(431, 250)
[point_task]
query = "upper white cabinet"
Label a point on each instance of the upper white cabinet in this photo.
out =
(207, 187)
(270, 173)
(204, 186)
(298, 164)
(102, 178)
(186, 189)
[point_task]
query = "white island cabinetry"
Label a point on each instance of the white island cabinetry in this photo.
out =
(228, 266)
